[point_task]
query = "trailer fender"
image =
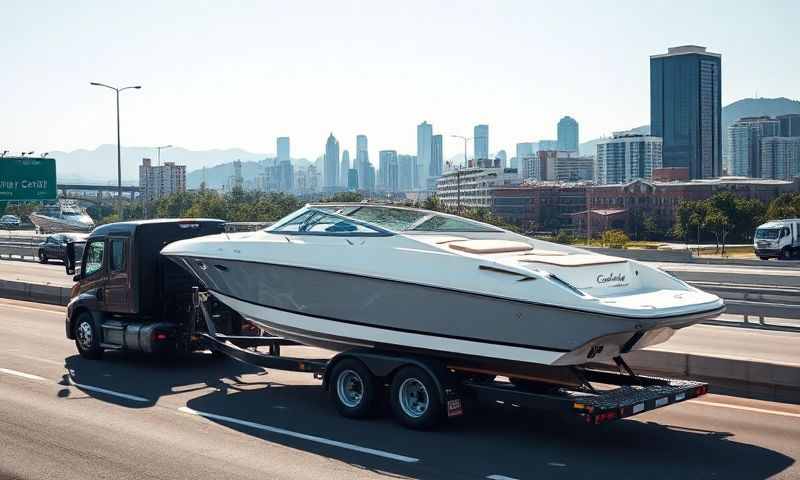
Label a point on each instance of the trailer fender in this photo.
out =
(385, 364)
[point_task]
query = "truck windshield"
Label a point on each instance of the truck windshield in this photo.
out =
(767, 233)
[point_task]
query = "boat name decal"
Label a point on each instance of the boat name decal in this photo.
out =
(611, 277)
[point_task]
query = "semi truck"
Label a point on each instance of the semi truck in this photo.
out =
(778, 239)
(128, 297)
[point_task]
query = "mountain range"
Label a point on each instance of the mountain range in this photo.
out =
(99, 165)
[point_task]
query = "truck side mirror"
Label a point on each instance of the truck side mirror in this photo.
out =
(77, 277)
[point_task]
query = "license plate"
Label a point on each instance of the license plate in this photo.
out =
(661, 402)
(639, 407)
(454, 408)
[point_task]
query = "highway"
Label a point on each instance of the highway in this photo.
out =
(52, 273)
(201, 417)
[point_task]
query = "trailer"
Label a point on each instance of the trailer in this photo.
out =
(128, 297)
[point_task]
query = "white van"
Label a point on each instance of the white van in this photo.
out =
(778, 238)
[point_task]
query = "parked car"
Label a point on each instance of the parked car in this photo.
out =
(55, 246)
(9, 221)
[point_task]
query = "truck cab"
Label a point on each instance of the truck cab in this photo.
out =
(777, 239)
(127, 296)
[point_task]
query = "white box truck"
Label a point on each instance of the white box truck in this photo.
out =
(778, 239)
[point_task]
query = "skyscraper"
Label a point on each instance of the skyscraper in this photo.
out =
(344, 169)
(503, 157)
(790, 125)
(437, 157)
(744, 144)
(780, 157)
(480, 141)
(548, 145)
(568, 138)
(283, 149)
(331, 173)
(424, 154)
(362, 159)
(685, 109)
(387, 173)
(627, 156)
(405, 172)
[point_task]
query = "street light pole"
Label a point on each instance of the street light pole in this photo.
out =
(119, 148)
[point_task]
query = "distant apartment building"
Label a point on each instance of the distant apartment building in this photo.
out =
(405, 172)
(685, 109)
(387, 171)
(480, 141)
(547, 145)
(744, 145)
(307, 180)
(790, 125)
(627, 156)
(574, 168)
(235, 181)
(503, 157)
(424, 154)
(568, 134)
(472, 187)
(437, 157)
(344, 169)
(362, 159)
(160, 181)
(352, 179)
(526, 151)
(278, 176)
(780, 157)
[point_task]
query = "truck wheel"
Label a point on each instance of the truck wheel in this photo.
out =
(86, 337)
(42, 257)
(353, 389)
(415, 399)
(785, 255)
(764, 258)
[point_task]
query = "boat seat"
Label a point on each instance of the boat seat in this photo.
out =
(576, 260)
(490, 246)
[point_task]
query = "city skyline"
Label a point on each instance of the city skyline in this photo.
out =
(189, 96)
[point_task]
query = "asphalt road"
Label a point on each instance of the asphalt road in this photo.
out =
(52, 273)
(202, 417)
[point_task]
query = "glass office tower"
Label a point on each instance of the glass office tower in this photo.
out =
(685, 109)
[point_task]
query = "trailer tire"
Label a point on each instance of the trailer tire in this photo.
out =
(415, 400)
(353, 389)
(87, 337)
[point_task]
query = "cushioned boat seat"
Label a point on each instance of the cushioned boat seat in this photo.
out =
(490, 246)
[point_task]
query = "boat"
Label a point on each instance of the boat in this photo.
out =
(62, 216)
(345, 276)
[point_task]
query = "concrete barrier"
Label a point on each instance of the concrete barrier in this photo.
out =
(33, 292)
(732, 376)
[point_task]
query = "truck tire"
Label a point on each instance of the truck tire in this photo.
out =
(42, 257)
(785, 254)
(87, 337)
(353, 389)
(764, 258)
(415, 399)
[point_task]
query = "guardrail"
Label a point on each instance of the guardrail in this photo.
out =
(20, 250)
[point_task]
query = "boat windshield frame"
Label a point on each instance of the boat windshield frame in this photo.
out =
(376, 230)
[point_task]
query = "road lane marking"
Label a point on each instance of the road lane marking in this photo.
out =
(500, 477)
(22, 375)
(747, 409)
(23, 307)
(304, 436)
(107, 392)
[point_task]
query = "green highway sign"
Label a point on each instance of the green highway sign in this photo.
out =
(27, 179)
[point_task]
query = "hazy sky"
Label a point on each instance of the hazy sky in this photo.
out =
(239, 74)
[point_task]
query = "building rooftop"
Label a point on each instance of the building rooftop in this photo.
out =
(686, 50)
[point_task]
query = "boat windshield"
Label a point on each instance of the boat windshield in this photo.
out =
(767, 233)
(405, 219)
(317, 222)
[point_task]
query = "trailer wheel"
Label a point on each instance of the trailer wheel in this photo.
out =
(86, 337)
(353, 389)
(415, 399)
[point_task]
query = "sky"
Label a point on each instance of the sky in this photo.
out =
(241, 73)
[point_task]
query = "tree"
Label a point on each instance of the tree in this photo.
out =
(682, 225)
(615, 238)
(649, 228)
(344, 197)
(786, 205)
(719, 223)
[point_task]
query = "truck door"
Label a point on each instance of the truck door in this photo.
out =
(93, 271)
(118, 283)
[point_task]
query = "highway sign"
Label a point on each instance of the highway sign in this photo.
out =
(27, 179)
